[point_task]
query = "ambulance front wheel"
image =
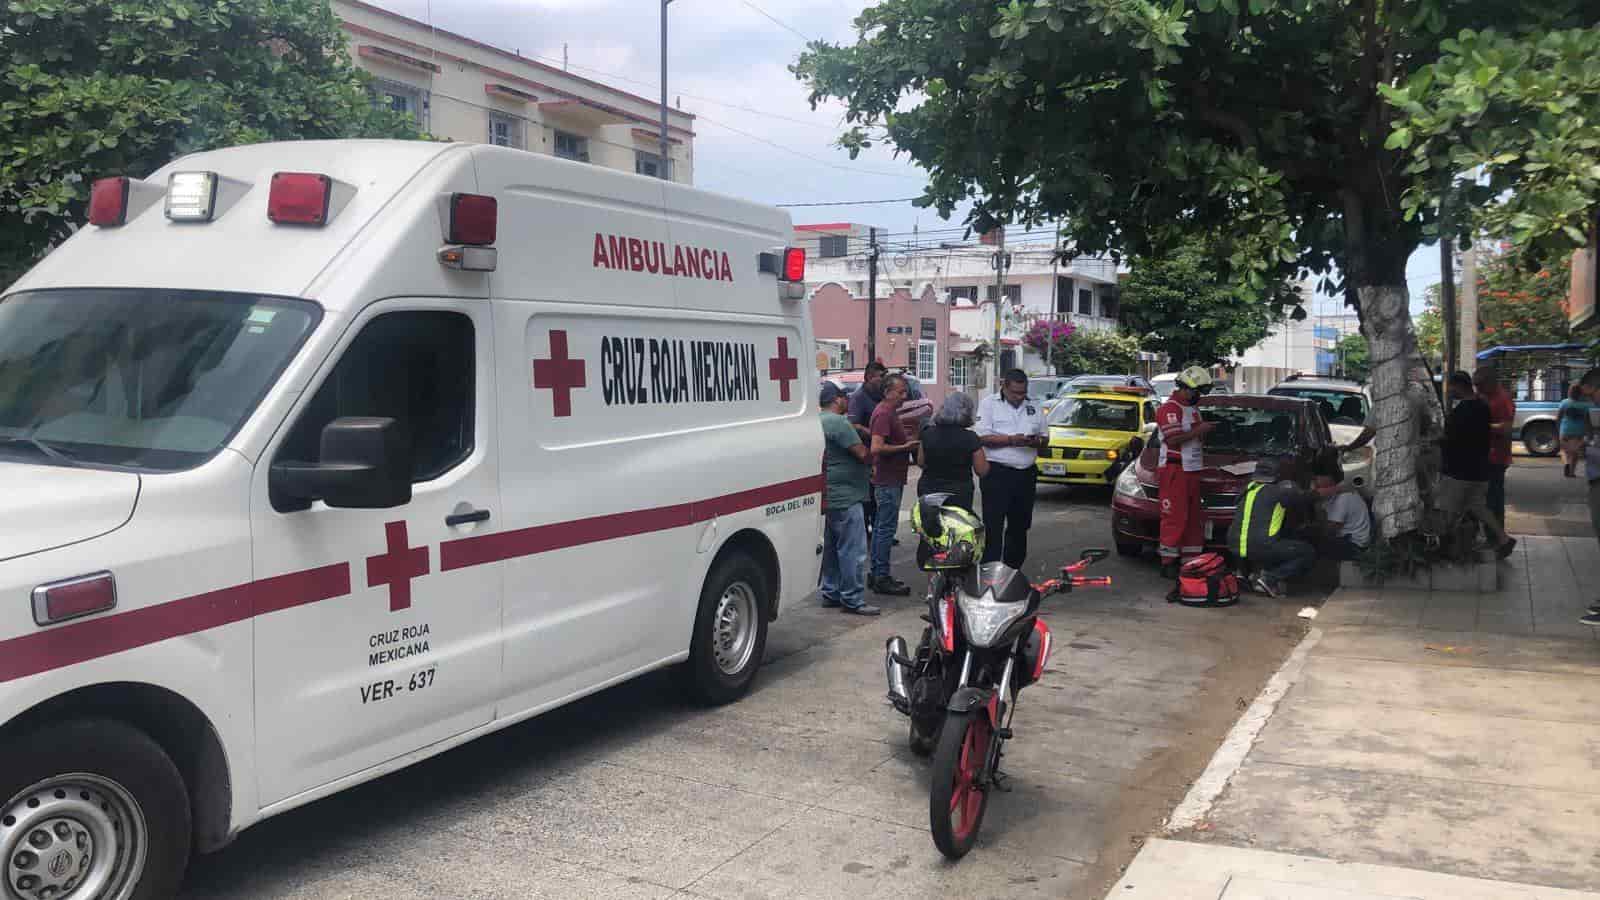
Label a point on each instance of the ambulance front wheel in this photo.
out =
(93, 810)
(730, 631)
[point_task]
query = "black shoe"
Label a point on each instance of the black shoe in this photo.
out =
(1506, 549)
(891, 587)
(1594, 608)
(830, 603)
(1592, 618)
(865, 609)
(1169, 570)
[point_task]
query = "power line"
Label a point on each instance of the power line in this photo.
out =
(776, 21)
(815, 159)
(848, 202)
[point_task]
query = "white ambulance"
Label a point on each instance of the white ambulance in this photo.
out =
(318, 459)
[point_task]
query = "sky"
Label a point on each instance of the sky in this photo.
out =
(756, 135)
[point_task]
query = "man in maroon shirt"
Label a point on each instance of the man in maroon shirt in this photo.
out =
(891, 457)
(1502, 414)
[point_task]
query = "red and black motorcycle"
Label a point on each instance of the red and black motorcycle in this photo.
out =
(983, 644)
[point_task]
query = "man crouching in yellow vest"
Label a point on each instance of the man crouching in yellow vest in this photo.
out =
(1262, 529)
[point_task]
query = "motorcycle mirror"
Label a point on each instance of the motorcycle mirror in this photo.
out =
(1095, 554)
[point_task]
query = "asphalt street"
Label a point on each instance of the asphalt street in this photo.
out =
(804, 789)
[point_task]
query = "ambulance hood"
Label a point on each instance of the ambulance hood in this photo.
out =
(44, 507)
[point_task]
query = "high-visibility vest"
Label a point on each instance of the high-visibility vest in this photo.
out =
(1247, 511)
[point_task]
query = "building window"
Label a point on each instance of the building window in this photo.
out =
(1013, 292)
(1108, 304)
(1085, 302)
(651, 164)
(505, 131)
(958, 372)
(402, 98)
(571, 146)
(967, 292)
(838, 350)
(834, 245)
(1064, 290)
(927, 361)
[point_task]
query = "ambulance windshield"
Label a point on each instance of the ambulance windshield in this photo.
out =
(147, 379)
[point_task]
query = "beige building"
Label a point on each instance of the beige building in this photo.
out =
(465, 90)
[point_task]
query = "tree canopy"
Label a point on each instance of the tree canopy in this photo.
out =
(1082, 351)
(1196, 316)
(1519, 306)
(1330, 136)
(1351, 358)
(109, 87)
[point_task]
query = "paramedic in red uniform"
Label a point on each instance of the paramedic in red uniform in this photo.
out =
(1182, 458)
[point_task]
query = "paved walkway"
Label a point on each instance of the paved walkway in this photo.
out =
(1430, 745)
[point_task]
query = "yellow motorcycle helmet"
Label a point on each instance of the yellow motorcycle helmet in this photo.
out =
(952, 537)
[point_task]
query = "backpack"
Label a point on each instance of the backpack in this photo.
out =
(1206, 580)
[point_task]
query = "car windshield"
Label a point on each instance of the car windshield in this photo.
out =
(1108, 415)
(1338, 407)
(1043, 388)
(1250, 431)
(146, 379)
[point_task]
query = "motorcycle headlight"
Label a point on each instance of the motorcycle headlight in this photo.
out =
(1128, 483)
(985, 620)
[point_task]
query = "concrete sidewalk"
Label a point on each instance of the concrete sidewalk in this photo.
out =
(1422, 745)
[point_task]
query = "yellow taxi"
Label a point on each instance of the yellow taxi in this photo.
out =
(1095, 434)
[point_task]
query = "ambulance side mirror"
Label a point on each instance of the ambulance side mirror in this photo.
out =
(365, 464)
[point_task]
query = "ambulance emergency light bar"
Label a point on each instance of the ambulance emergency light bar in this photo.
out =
(470, 225)
(789, 264)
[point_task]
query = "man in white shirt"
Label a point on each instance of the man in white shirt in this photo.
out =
(1347, 512)
(1012, 429)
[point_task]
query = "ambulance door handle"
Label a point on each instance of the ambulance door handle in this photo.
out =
(466, 518)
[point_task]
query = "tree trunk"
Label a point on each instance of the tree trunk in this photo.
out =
(1405, 411)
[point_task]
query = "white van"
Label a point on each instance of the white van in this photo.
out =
(321, 458)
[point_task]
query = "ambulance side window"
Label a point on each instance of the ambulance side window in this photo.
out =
(415, 367)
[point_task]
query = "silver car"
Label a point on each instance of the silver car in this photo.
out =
(1347, 407)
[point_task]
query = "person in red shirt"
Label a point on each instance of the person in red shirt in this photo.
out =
(1182, 458)
(1502, 414)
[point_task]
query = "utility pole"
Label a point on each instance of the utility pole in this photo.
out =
(666, 161)
(1055, 303)
(1469, 306)
(872, 295)
(1447, 302)
(1002, 262)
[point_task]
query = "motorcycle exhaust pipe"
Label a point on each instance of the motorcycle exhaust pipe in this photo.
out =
(895, 672)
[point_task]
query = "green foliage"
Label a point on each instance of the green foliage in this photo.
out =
(1273, 124)
(1430, 329)
(1352, 358)
(90, 88)
(1518, 306)
(1086, 352)
(1196, 316)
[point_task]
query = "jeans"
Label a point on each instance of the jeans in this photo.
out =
(844, 556)
(884, 525)
(1281, 559)
(1008, 513)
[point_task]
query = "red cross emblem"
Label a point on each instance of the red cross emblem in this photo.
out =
(398, 566)
(783, 369)
(559, 374)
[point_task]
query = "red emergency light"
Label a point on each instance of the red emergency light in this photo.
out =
(299, 198)
(794, 264)
(472, 219)
(75, 597)
(108, 202)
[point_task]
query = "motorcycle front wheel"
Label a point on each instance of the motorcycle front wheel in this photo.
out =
(958, 798)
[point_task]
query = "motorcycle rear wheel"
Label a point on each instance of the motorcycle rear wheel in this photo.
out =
(957, 800)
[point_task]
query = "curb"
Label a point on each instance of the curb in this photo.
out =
(1203, 794)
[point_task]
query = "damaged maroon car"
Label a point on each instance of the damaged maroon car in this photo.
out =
(1249, 427)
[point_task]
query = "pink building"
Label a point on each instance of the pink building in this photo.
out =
(913, 336)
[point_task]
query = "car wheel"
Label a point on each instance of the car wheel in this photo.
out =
(730, 632)
(91, 808)
(1540, 438)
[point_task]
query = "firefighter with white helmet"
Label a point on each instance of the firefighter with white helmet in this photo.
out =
(1182, 458)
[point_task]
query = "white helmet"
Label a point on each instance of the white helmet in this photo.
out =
(1194, 378)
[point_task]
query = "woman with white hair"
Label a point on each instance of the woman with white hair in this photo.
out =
(951, 452)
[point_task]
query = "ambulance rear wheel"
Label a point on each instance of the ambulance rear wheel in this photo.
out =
(92, 810)
(730, 632)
